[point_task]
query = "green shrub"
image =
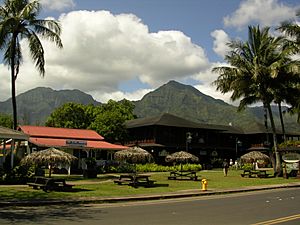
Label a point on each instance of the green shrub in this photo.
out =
(247, 166)
(18, 175)
(152, 167)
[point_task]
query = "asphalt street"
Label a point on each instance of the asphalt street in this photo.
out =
(278, 206)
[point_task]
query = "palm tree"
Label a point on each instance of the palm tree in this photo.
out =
(286, 86)
(291, 29)
(18, 20)
(251, 73)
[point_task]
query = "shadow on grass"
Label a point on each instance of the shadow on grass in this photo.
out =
(75, 190)
(152, 186)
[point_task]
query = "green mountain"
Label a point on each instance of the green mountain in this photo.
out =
(36, 105)
(185, 101)
(188, 102)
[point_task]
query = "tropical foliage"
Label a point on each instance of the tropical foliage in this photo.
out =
(291, 30)
(256, 70)
(107, 119)
(18, 21)
(6, 120)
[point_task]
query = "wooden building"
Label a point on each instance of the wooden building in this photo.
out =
(167, 133)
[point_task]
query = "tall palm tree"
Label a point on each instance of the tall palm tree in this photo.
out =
(291, 30)
(251, 73)
(18, 20)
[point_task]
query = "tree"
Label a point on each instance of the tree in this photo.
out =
(110, 120)
(252, 72)
(107, 119)
(291, 30)
(18, 21)
(6, 120)
(69, 115)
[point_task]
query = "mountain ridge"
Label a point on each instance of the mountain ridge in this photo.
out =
(182, 100)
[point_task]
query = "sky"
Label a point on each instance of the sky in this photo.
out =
(116, 49)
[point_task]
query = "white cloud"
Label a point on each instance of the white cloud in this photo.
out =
(119, 95)
(220, 42)
(264, 12)
(57, 5)
(108, 50)
(206, 78)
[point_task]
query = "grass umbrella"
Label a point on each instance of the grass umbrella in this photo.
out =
(133, 155)
(50, 157)
(254, 156)
(181, 157)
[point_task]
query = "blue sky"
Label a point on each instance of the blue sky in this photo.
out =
(115, 49)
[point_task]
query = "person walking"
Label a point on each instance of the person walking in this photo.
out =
(225, 167)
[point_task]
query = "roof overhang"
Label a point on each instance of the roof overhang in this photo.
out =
(6, 133)
(64, 143)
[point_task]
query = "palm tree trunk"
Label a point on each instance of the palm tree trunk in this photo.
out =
(13, 84)
(277, 169)
(281, 121)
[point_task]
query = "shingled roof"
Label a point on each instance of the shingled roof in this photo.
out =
(167, 119)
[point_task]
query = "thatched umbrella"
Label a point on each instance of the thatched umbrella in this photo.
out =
(181, 157)
(254, 156)
(50, 157)
(133, 155)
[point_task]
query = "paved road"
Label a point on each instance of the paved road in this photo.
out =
(271, 207)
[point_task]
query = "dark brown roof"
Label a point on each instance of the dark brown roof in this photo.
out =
(167, 119)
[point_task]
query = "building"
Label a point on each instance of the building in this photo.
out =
(166, 133)
(78, 142)
(7, 137)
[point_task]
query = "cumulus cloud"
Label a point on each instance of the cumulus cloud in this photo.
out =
(102, 50)
(206, 78)
(220, 42)
(266, 13)
(57, 5)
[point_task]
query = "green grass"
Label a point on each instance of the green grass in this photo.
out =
(103, 186)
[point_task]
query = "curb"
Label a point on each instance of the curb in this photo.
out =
(173, 195)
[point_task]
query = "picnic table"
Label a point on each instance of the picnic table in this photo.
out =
(183, 175)
(135, 180)
(49, 184)
(261, 173)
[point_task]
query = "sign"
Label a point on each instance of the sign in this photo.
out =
(291, 157)
(76, 143)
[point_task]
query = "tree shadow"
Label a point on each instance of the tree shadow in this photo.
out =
(45, 214)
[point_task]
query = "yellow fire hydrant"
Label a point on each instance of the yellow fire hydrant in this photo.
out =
(204, 184)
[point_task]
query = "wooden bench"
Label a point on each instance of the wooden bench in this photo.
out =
(135, 180)
(261, 173)
(50, 184)
(183, 175)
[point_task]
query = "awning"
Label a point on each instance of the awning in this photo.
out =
(73, 144)
(6, 133)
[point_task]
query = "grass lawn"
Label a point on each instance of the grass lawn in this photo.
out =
(103, 186)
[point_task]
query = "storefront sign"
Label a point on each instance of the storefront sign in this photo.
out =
(76, 143)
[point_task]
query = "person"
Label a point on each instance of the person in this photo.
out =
(225, 167)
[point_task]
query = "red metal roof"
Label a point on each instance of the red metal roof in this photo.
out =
(59, 142)
(64, 133)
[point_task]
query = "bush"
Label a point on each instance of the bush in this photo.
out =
(18, 175)
(152, 167)
(247, 166)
